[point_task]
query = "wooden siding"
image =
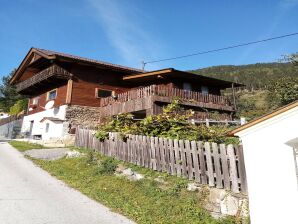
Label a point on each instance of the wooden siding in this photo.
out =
(59, 101)
(88, 79)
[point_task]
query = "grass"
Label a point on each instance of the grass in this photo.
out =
(144, 201)
(24, 146)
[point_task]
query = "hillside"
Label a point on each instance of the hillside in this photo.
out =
(254, 100)
(254, 76)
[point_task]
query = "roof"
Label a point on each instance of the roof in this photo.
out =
(51, 119)
(52, 55)
(173, 73)
(78, 58)
(265, 117)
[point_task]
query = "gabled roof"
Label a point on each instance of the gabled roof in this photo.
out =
(173, 73)
(52, 55)
(265, 117)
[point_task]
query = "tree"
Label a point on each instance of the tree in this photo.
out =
(293, 58)
(8, 94)
(19, 107)
(284, 91)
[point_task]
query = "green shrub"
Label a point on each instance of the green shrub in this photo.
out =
(18, 107)
(107, 166)
(91, 157)
(173, 123)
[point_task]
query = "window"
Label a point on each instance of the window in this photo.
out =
(100, 93)
(187, 86)
(35, 101)
(47, 127)
(52, 95)
(204, 89)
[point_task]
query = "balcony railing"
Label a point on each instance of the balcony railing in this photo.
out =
(54, 70)
(164, 91)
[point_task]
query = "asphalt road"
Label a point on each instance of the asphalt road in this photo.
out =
(29, 195)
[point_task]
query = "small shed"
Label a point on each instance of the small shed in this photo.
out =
(270, 145)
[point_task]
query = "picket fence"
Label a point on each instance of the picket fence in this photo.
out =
(216, 165)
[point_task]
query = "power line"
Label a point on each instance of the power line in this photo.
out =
(219, 49)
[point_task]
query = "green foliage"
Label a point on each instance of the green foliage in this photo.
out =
(107, 166)
(24, 146)
(254, 76)
(252, 104)
(270, 85)
(18, 107)
(8, 94)
(91, 158)
(173, 123)
(283, 91)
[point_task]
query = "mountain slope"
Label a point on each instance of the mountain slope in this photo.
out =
(254, 76)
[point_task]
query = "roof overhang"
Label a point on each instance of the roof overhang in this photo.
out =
(53, 119)
(53, 55)
(264, 118)
(171, 73)
(26, 61)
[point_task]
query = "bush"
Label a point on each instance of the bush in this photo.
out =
(18, 107)
(173, 123)
(107, 166)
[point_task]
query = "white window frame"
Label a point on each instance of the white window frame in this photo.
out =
(35, 101)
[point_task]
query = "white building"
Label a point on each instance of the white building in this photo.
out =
(270, 146)
(47, 124)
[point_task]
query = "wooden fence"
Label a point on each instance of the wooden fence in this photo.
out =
(217, 165)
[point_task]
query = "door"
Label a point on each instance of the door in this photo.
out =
(31, 128)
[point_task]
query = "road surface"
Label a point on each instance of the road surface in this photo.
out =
(29, 195)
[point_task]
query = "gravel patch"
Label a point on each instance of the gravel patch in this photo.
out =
(47, 154)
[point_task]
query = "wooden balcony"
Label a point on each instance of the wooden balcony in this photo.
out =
(186, 97)
(51, 72)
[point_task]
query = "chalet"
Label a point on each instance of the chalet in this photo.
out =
(66, 90)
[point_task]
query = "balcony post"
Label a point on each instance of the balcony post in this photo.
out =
(234, 97)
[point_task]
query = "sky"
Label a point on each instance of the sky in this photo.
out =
(128, 32)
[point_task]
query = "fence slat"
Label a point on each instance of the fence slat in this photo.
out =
(209, 164)
(217, 165)
(195, 161)
(233, 168)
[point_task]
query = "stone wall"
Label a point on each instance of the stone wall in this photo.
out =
(83, 115)
(220, 202)
(11, 129)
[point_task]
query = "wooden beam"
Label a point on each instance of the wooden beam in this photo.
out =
(69, 91)
(147, 74)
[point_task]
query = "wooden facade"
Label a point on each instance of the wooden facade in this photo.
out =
(77, 81)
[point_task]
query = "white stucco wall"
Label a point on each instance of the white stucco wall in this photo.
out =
(39, 128)
(271, 170)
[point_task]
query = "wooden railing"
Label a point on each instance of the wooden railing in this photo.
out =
(165, 91)
(54, 70)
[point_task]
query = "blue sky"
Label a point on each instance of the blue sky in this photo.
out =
(129, 31)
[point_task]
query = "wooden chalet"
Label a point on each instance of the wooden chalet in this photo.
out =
(69, 80)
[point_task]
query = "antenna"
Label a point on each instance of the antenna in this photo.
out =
(143, 65)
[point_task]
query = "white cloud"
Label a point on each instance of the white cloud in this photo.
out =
(122, 23)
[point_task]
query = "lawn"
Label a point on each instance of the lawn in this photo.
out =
(144, 201)
(24, 146)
